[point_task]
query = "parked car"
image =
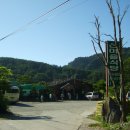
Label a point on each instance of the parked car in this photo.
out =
(128, 96)
(92, 95)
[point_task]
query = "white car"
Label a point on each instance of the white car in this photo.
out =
(92, 95)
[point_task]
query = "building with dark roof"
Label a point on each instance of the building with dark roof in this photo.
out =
(77, 89)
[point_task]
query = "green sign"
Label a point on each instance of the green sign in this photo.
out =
(113, 63)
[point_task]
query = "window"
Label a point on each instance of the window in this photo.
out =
(13, 91)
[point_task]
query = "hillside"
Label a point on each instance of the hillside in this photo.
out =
(85, 68)
(29, 70)
(87, 63)
(93, 62)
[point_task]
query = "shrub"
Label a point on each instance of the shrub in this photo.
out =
(128, 107)
(3, 104)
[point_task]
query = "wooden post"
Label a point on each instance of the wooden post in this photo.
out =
(106, 69)
(106, 82)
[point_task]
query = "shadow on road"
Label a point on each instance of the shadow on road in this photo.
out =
(21, 105)
(19, 117)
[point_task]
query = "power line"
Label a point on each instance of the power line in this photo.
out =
(74, 6)
(31, 22)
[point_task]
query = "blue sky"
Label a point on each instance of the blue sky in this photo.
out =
(59, 37)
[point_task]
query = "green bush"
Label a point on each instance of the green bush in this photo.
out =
(128, 107)
(3, 104)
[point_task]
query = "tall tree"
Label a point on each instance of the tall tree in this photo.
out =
(117, 38)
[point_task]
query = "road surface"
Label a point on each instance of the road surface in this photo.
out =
(66, 115)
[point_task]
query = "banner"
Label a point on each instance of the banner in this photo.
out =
(113, 63)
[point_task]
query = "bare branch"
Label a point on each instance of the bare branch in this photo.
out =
(117, 1)
(114, 26)
(108, 35)
(120, 19)
(113, 18)
(125, 11)
(125, 44)
(97, 40)
(93, 38)
(99, 37)
(97, 53)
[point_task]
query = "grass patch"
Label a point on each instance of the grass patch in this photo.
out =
(94, 117)
(95, 125)
(106, 126)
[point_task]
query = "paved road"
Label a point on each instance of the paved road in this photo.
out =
(66, 115)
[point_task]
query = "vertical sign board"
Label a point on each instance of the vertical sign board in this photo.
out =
(113, 63)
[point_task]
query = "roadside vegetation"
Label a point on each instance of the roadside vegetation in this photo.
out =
(106, 126)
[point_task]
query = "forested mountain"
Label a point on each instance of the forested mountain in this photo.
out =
(87, 63)
(85, 68)
(93, 62)
(25, 71)
(30, 71)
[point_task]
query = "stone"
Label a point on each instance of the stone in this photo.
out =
(111, 111)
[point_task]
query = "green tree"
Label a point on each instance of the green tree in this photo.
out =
(4, 73)
(4, 85)
(4, 78)
(100, 86)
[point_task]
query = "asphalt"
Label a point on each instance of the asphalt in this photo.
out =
(68, 115)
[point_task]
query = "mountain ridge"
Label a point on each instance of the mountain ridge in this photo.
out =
(85, 68)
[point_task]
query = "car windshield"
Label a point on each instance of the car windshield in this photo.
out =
(89, 93)
(13, 91)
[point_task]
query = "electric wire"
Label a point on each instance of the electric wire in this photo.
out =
(63, 12)
(34, 20)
